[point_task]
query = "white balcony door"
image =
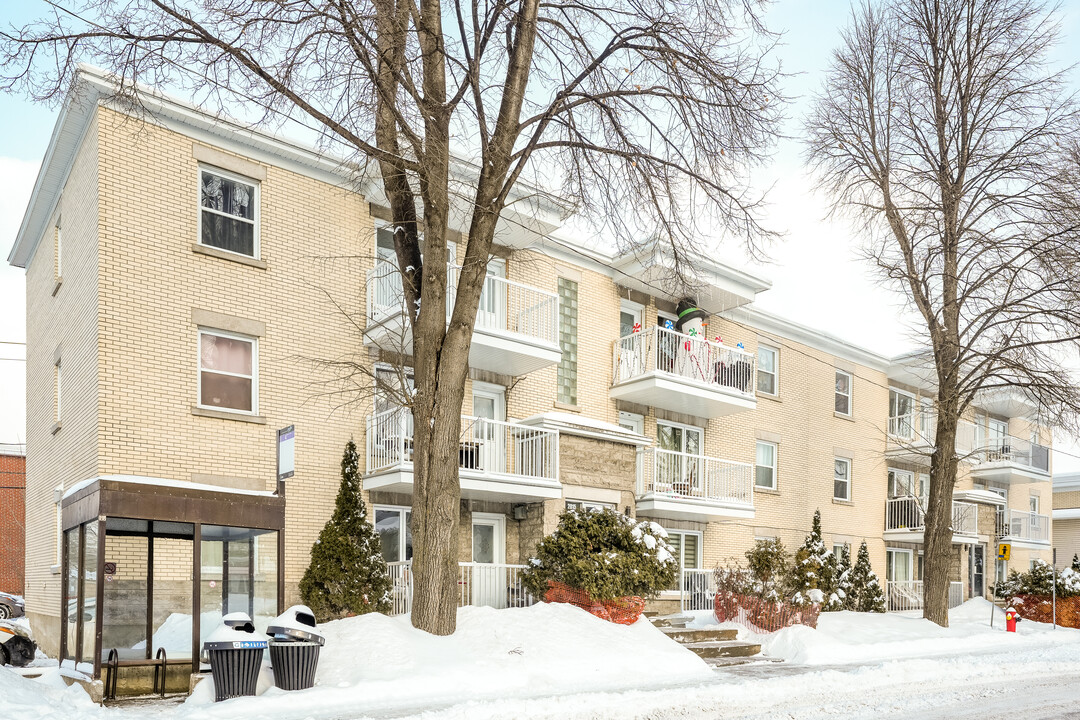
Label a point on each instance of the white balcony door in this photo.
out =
(489, 435)
(635, 423)
(632, 349)
(899, 565)
(995, 439)
(488, 582)
(678, 473)
(492, 311)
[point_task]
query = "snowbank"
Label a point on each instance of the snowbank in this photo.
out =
(44, 697)
(844, 638)
(379, 664)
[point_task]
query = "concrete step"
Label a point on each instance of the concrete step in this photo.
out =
(670, 621)
(720, 663)
(724, 649)
(687, 636)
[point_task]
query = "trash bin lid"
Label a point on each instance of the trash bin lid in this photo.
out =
(234, 645)
(286, 633)
(239, 621)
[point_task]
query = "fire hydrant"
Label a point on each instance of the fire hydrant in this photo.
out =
(1011, 618)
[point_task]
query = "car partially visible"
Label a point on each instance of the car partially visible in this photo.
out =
(11, 606)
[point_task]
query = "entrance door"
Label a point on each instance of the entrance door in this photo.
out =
(488, 584)
(631, 342)
(486, 448)
(679, 470)
(491, 313)
(978, 565)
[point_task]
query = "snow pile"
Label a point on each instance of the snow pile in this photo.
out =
(47, 696)
(379, 664)
(861, 638)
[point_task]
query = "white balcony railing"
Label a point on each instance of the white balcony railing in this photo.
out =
(697, 589)
(505, 306)
(1016, 451)
(692, 358)
(487, 447)
(496, 585)
(918, 430)
(1023, 525)
(697, 477)
(909, 513)
(904, 595)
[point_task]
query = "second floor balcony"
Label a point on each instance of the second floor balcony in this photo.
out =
(516, 329)
(683, 486)
(905, 520)
(1023, 527)
(498, 461)
(666, 369)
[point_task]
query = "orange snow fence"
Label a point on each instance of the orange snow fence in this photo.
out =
(624, 610)
(763, 616)
(1040, 608)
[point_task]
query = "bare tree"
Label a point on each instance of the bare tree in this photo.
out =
(644, 114)
(943, 128)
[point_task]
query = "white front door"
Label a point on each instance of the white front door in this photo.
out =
(631, 341)
(488, 584)
(491, 313)
(487, 442)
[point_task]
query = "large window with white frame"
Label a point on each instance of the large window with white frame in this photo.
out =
(687, 547)
(228, 212)
(394, 525)
(228, 371)
(841, 478)
(842, 395)
(901, 414)
(768, 370)
(765, 465)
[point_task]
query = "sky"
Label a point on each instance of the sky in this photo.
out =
(819, 278)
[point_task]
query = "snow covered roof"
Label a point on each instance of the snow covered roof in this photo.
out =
(1067, 482)
(979, 496)
(162, 482)
(571, 424)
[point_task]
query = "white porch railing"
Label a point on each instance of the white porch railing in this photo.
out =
(1023, 525)
(909, 513)
(697, 589)
(505, 306)
(1010, 449)
(685, 356)
(904, 595)
(496, 585)
(918, 430)
(487, 447)
(682, 475)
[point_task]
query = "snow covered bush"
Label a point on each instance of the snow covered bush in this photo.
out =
(347, 574)
(866, 594)
(1039, 580)
(605, 554)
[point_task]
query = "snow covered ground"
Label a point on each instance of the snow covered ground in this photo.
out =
(554, 661)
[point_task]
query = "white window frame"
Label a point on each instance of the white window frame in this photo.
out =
(591, 505)
(847, 480)
(850, 393)
(632, 308)
(890, 562)
(1034, 502)
(775, 372)
(913, 485)
(682, 547)
(838, 550)
(401, 510)
(254, 371)
(913, 422)
(775, 465)
(684, 427)
(256, 245)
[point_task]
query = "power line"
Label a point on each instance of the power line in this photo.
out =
(11, 342)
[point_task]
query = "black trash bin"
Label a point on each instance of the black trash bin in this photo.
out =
(235, 657)
(294, 648)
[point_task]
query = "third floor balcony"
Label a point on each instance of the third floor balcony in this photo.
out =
(666, 369)
(516, 328)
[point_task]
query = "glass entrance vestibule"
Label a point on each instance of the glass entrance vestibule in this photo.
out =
(151, 569)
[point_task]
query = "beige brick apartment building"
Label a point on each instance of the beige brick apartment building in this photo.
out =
(185, 275)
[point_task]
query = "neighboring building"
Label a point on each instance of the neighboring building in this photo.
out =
(183, 273)
(1066, 518)
(12, 517)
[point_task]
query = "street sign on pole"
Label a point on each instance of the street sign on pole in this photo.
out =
(286, 452)
(1004, 550)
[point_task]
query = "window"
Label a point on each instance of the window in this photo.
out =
(59, 249)
(838, 551)
(902, 484)
(227, 371)
(1033, 503)
(590, 505)
(765, 465)
(687, 547)
(397, 546)
(57, 388)
(679, 438)
(841, 479)
(228, 216)
(901, 414)
(568, 320)
(843, 392)
(766, 370)
(629, 317)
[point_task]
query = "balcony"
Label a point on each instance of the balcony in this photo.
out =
(907, 595)
(905, 520)
(497, 461)
(1011, 459)
(681, 486)
(496, 585)
(516, 329)
(911, 438)
(666, 369)
(1024, 528)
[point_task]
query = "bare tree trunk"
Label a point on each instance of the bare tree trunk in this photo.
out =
(938, 528)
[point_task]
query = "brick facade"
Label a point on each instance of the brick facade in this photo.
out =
(12, 522)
